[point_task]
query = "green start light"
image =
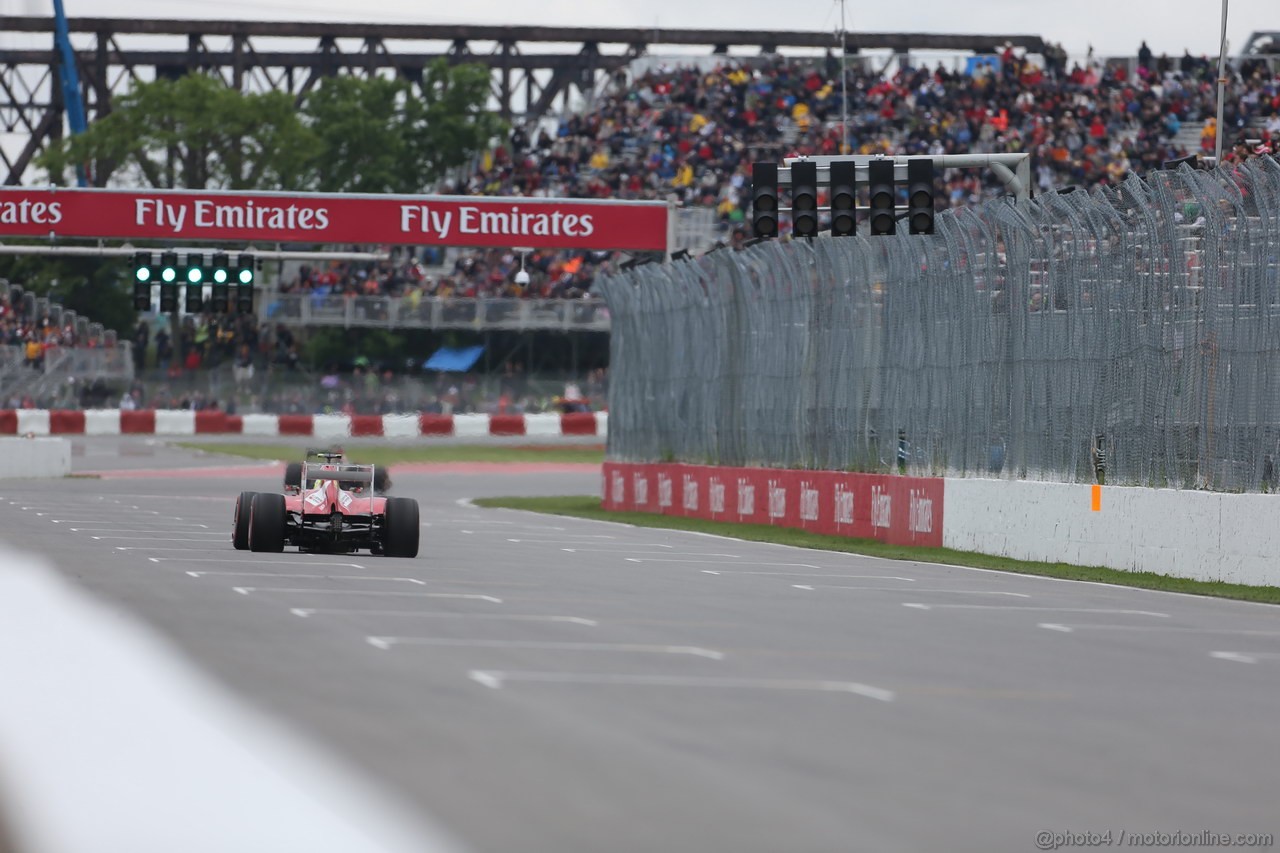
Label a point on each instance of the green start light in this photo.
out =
(169, 275)
(194, 275)
(246, 276)
(143, 273)
(220, 276)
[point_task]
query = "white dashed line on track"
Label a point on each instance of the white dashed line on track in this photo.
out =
(497, 679)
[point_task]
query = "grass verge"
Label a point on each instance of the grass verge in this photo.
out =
(366, 455)
(586, 506)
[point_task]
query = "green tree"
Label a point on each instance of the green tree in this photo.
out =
(194, 133)
(380, 135)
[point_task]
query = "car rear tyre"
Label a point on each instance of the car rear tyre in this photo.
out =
(401, 535)
(266, 523)
(240, 522)
(293, 475)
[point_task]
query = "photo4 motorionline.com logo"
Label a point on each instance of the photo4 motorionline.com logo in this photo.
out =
(1047, 840)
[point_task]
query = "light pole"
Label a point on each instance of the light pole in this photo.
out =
(1222, 85)
(844, 97)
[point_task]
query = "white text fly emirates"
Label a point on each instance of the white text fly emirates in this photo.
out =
(442, 223)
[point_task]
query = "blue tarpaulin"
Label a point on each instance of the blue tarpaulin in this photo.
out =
(449, 358)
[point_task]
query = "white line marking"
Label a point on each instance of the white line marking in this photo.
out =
(644, 544)
(1067, 629)
(555, 540)
(915, 590)
(471, 522)
(155, 530)
(487, 679)
(246, 590)
(466, 503)
(556, 645)
(97, 520)
(919, 606)
(721, 562)
(568, 620)
(1236, 657)
(305, 612)
(498, 678)
(309, 577)
(632, 550)
(810, 575)
(149, 548)
(244, 562)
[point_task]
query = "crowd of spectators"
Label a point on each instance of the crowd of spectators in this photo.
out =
(690, 135)
(489, 273)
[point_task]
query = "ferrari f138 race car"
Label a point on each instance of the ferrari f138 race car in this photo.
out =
(333, 509)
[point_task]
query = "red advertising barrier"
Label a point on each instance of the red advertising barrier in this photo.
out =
(242, 217)
(8, 422)
(898, 510)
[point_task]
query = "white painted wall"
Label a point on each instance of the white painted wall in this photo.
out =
(35, 457)
(1200, 535)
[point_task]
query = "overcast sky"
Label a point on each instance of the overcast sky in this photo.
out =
(1112, 27)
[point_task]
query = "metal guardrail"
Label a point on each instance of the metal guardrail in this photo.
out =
(50, 381)
(310, 309)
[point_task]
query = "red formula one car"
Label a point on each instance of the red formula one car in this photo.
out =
(333, 510)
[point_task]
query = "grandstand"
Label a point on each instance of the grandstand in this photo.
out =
(686, 133)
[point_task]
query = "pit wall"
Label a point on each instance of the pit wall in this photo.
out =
(34, 457)
(186, 422)
(1199, 535)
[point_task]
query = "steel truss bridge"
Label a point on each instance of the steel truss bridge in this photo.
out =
(533, 67)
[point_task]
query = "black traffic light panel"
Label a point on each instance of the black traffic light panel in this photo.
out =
(244, 272)
(143, 276)
(168, 268)
(193, 271)
(194, 298)
(804, 199)
(764, 199)
(244, 298)
(844, 197)
(883, 196)
(168, 298)
(220, 270)
(920, 196)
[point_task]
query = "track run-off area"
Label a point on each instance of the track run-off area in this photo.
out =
(536, 683)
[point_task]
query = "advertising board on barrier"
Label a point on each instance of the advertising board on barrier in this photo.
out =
(344, 218)
(895, 509)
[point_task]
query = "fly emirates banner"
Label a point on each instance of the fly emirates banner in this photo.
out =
(195, 217)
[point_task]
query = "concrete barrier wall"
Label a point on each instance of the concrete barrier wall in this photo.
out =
(35, 457)
(1200, 535)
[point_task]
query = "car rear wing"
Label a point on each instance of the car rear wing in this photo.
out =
(328, 471)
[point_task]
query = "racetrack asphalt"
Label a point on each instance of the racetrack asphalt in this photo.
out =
(546, 684)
